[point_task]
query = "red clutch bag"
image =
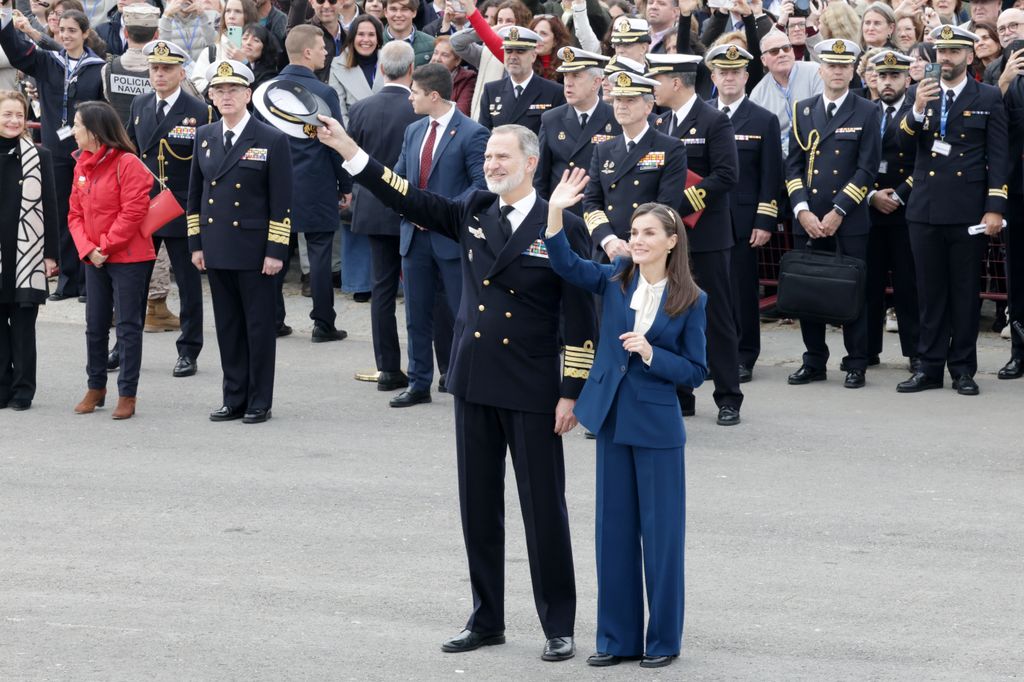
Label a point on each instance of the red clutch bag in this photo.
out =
(696, 198)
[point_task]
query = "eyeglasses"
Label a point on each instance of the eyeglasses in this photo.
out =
(782, 48)
(329, 2)
(1008, 28)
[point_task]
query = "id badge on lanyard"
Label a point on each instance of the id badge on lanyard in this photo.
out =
(940, 146)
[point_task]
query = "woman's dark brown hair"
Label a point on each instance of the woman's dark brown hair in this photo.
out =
(249, 15)
(100, 119)
(681, 291)
(520, 11)
(560, 37)
(351, 56)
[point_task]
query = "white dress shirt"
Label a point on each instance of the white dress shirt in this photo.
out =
(520, 209)
(645, 303)
(237, 130)
(171, 99)
(682, 112)
(732, 107)
(443, 122)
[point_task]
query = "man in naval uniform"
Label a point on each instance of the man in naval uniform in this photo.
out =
(523, 96)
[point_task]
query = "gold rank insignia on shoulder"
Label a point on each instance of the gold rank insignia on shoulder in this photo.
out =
(561, 135)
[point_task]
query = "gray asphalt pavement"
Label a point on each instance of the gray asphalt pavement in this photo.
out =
(834, 535)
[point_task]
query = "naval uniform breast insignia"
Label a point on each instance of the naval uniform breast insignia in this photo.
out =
(561, 135)
(476, 232)
(255, 154)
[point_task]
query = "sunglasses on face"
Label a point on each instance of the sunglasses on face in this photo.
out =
(785, 49)
(329, 2)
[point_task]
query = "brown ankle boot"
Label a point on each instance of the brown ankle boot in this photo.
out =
(94, 397)
(125, 408)
(159, 318)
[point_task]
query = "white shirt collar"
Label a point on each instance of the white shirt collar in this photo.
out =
(638, 137)
(956, 89)
(397, 85)
(170, 99)
(732, 107)
(525, 83)
(589, 112)
(237, 130)
(520, 209)
(682, 112)
(446, 118)
(897, 105)
(838, 102)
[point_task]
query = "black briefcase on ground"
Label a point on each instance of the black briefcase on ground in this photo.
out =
(825, 286)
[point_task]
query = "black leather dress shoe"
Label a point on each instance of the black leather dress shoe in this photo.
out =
(19, 404)
(467, 640)
(185, 367)
(256, 416)
(442, 384)
(410, 398)
(1014, 369)
(917, 383)
(226, 414)
(283, 330)
(600, 660)
(656, 661)
(728, 415)
(113, 360)
(362, 296)
(60, 296)
(559, 649)
(82, 298)
(966, 385)
(806, 375)
(392, 381)
(873, 361)
(854, 379)
(746, 374)
(322, 333)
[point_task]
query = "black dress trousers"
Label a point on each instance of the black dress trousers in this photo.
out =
(746, 301)
(246, 336)
(190, 291)
(17, 351)
(889, 251)
(71, 281)
(855, 334)
(386, 269)
(124, 286)
(948, 263)
(483, 433)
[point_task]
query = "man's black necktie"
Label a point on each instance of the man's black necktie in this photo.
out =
(583, 120)
(161, 111)
(519, 91)
(890, 111)
(228, 136)
(504, 223)
(629, 146)
(830, 111)
(726, 110)
(950, 96)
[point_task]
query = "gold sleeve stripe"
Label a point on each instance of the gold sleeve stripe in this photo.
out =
(794, 185)
(906, 128)
(595, 219)
(997, 193)
(852, 194)
(695, 196)
(193, 219)
(768, 209)
(397, 182)
(574, 373)
(193, 231)
(278, 240)
(910, 180)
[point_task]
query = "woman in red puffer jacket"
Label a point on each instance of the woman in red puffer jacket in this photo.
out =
(109, 201)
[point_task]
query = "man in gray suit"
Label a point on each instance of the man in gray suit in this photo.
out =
(378, 125)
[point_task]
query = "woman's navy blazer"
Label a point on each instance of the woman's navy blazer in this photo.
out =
(647, 412)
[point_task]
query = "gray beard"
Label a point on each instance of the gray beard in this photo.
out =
(509, 183)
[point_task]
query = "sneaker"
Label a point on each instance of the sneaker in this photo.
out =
(891, 325)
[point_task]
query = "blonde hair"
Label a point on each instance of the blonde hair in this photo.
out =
(839, 20)
(16, 96)
(734, 37)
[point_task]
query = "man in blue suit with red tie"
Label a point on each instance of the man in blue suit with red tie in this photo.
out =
(443, 153)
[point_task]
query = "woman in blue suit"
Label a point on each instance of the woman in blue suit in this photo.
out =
(652, 340)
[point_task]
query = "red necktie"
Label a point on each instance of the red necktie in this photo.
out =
(427, 155)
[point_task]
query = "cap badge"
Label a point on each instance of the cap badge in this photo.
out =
(225, 70)
(839, 47)
(623, 26)
(568, 55)
(513, 33)
(623, 80)
(947, 32)
(732, 53)
(890, 59)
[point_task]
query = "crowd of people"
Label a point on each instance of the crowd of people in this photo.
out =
(572, 197)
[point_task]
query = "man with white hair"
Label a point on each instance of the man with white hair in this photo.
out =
(1005, 70)
(788, 81)
(568, 133)
(505, 375)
